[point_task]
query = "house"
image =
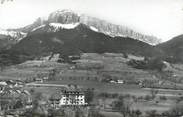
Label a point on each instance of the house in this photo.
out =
(120, 81)
(68, 98)
(72, 98)
(10, 96)
(117, 81)
(45, 78)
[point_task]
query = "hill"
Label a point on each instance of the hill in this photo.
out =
(173, 49)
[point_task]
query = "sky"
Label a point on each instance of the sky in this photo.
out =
(161, 18)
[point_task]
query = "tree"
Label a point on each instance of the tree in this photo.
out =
(135, 113)
(2, 67)
(125, 55)
(18, 104)
(52, 74)
(78, 113)
(89, 94)
(152, 113)
(176, 111)
(153, 92)
(138, 113)
(38, 109)
(122, 106)
(156, 64)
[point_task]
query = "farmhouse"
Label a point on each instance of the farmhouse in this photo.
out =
(68, 98)
(120, 81)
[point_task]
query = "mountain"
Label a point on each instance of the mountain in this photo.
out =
(53, 27)
(68, 39)
(67, 33)
(9, 38)
(70, 17)
(173, 49)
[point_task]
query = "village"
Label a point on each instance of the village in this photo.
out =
(15, 100)
(84, 88)
(17, 96)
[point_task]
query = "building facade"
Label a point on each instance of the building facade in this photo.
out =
(72, 98)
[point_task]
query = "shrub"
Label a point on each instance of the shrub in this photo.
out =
(163, 98)
(153, 64)
(147, 98)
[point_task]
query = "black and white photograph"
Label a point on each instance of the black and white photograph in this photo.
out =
(91, 58)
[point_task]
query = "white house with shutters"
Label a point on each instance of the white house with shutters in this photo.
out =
(72, 98)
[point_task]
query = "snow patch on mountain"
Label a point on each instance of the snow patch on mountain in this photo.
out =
(55, 27)
(64, 26)
(10, 33)
(94, 29)
(13, 34)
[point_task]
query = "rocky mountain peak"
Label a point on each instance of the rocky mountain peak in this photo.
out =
(70, 17)
(64, 17)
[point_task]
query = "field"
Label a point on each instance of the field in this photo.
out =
(90, 72)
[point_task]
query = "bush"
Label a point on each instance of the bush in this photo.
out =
(179, 99)
(153, 64)
(163, 98)
(152, 113)
(89, 94)
(147, 98)
(108, 95)
(122, 106)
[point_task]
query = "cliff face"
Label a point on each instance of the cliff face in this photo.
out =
(67, 16)
(63, 17)
(117, 30)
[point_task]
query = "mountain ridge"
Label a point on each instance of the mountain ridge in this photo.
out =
(81, 38)
(69, 17)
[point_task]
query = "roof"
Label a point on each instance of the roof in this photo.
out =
(73, 92)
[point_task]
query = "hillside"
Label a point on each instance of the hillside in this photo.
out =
(79, 39)
(173, 49)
